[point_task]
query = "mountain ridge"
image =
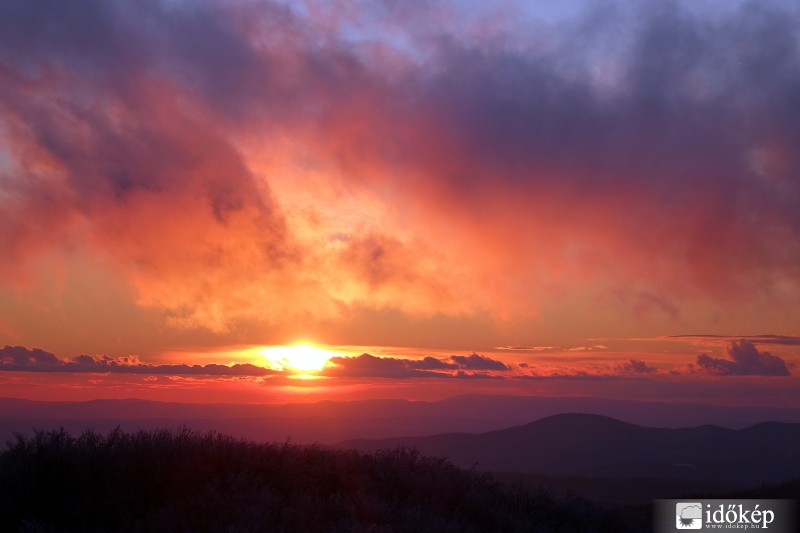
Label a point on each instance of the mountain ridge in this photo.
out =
(588, 445)
(331, 421)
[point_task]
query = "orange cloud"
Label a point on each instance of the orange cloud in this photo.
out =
(253, 163)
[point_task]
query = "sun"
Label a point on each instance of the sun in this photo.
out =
(299, 357)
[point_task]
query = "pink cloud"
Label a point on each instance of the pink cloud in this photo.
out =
(155, 139)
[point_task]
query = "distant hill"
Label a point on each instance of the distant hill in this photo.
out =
(329, 422)
(585, 447)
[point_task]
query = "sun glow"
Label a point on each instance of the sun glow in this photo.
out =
(300, 358)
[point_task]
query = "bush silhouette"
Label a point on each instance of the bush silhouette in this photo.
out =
(180, 480)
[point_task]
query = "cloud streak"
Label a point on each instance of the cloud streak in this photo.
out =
(779, 340)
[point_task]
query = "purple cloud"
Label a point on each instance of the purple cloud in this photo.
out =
(367, 365)
(745, 360)
(478, 362)
(634, 366)
(432, 363)
(21, 359)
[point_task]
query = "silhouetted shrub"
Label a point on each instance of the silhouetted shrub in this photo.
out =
(180, 480)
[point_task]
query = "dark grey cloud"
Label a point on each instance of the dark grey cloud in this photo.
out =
(656, 133)
(22, 359)
(634, 366)
(478, 362)
(202, 46)
(367, 365)
(432, 363)
(744, 360)
(690, 138)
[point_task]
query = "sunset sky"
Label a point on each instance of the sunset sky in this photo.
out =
(556, 197)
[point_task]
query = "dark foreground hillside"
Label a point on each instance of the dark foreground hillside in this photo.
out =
(169, 480)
